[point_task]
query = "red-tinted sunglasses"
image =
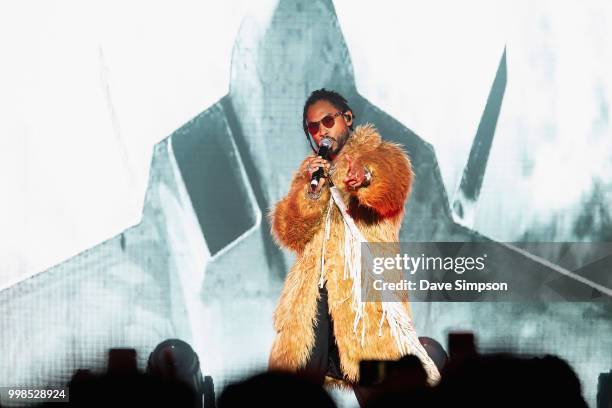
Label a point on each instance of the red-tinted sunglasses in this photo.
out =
(328, 121)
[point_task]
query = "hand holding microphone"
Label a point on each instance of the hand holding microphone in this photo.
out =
(317, 166)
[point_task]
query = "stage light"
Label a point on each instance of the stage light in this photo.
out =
(435, 351)
(174, 359)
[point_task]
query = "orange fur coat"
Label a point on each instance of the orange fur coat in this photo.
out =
(298, 224)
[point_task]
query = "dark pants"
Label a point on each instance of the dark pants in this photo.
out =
(324, 358)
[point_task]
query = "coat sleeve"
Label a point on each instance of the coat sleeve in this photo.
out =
(392, 178)
(296, 218)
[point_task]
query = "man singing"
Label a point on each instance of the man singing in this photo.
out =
(323, 328)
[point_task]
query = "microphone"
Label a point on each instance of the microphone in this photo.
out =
(323, 152)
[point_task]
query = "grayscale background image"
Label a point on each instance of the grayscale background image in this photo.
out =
(144, 143)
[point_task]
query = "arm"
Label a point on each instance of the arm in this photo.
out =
(297, 217)
(391, 179)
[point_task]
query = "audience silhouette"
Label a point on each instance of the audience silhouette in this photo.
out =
(468, 379)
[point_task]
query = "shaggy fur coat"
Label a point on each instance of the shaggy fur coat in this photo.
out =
(298, 224)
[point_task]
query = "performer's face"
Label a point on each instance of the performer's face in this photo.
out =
(338, 133)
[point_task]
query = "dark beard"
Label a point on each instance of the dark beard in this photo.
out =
(340, 143)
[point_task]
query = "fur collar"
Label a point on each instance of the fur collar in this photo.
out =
(364, 134)
(365, 137)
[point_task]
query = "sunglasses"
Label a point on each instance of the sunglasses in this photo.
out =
(328, 121)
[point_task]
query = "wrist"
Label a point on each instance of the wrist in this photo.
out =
(313, 195)
(367, 177)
